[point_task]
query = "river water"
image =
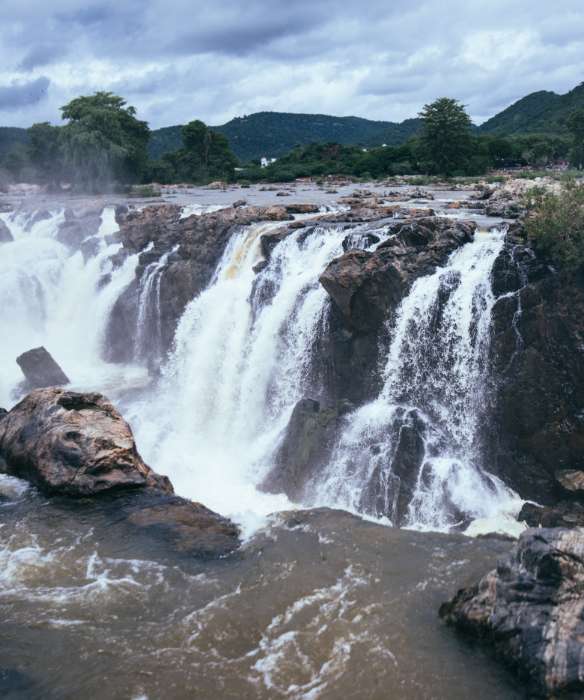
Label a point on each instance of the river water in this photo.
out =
(318, 603)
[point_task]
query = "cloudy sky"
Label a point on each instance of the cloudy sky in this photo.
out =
(176, 60)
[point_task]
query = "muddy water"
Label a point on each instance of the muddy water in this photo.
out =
(319, 604)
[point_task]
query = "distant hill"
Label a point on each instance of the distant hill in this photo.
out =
(540, 112)
(273, 134)
(10, 136)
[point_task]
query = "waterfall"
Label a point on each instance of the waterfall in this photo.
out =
(54, 296)
(242, 359)
(148, 342)
(425, 425)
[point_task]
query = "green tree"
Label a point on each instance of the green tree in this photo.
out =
(103, 142)
(44, 150)
(446, 135)
(205, 156)
(575, 124)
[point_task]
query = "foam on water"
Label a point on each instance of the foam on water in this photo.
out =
(242, 359)
(435, 379)
(53, 296)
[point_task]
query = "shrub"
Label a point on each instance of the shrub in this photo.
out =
(555, 224)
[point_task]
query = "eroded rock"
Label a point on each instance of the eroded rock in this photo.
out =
(531, 610)
(74, 444)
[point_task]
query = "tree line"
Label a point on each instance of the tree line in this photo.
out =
(103, 145)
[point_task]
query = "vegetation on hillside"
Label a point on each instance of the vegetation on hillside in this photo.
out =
(274, 134)
(540, 112)
(555, 225)
(204, 156)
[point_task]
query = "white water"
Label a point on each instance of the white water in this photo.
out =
(241, 361)
(148, 342)
(243, 357)
(435, 377)
(52, 296)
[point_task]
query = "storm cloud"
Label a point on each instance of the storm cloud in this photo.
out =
(177, 60)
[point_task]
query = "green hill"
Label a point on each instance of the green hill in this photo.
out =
(540, 112)
(273, 134)
(10, 136)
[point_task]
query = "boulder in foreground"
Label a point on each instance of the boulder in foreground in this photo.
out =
(531, 610)
(40, 369)
(73, 444)
(78, 445)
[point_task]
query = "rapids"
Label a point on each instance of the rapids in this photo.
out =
(317, 603)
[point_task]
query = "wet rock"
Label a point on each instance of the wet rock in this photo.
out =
(40, 369)
(73, 444)
(188, 527)
(5, 235)
(393, 481)
(531, 610)
(309, 438)
(571, 480)
(562, 514)
(366, 286)
(78, 226)
(302, 208)
(201, 241)
(537, 352)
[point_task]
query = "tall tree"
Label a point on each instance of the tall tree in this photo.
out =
(446, 135)
(44, 150)
(103, 141)
(575, 124)
(205, 156)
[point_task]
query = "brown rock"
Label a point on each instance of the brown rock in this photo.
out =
(73, 444)
(191, 527)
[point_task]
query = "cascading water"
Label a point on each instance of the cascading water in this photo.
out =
(433, 396)
(148, 343)
(242, 359)
(46, 291)
(244, 354)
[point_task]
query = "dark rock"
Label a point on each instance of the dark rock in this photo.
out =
(40, 369)
(366, 289)
(366, 286)
(239, 203)
(302, 208)
(74, 444)
(531, 610)
(537, 351)
(394, 479)
(201, 241)
(309, 438)
(189, 527)
(562, 514)
(5, 235)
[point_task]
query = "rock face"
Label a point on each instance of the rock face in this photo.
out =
(5, 235)
(538, 359)
(77, 445)
(367, 287)
(531, 609)
(74, 444)
(40, 369)
(199, 242)
(309, 437)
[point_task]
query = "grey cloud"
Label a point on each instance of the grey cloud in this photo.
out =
(41, 55)
(19, 94)
(214, 59)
